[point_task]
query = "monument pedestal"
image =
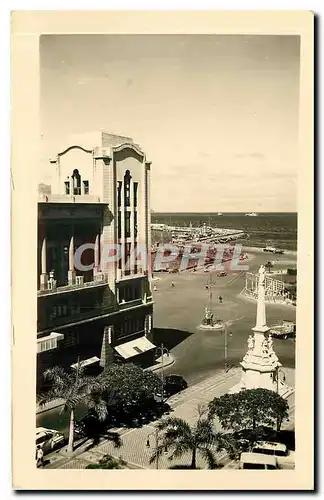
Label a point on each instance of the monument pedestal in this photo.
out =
(260, 365)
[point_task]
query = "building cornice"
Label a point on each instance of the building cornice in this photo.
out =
(75, 146)
(128, 145)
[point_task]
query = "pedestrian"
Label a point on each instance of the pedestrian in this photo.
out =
(172, 284)
(39, 456)
(155, 288)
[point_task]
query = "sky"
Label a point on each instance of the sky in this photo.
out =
(217, 115)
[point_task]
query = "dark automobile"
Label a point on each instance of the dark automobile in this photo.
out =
(174, 384)
(90, 426)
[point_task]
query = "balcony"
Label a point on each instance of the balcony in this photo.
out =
(122, 276)
(99, 279)
(77, 317)
(130, 303)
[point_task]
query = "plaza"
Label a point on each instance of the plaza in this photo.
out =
(179, 310)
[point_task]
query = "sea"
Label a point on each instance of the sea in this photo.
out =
(278, 229)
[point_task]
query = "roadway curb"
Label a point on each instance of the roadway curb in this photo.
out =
(169, 362)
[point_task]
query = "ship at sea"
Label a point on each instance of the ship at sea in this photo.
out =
(251, 214)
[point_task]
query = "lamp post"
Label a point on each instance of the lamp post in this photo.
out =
(161, 351)
(225, 348)
(156, 436)
(226, 367)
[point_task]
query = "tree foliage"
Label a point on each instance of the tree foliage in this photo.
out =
(178, 437)
(127, 384)
(107, 462)
(249, 409)
(73, 387)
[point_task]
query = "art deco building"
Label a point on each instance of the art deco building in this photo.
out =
(102, 309)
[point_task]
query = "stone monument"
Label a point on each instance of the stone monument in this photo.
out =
(260, 365)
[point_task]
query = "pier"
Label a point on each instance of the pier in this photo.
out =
(202, 234)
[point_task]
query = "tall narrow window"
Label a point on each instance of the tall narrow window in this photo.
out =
(127, 179)
(67, 187)
(135, 224)
(119, 188)
(135, 193)
(86, 187)
(127, 224)
(76, 177)
(119, 224)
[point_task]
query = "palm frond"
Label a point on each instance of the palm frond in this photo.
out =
(176, 423)
(115, 438)
(158, 451)
(209, 457)
(180, 449)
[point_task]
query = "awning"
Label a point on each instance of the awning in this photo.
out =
(86, 362)
(49, 342)
(52, 336)
(134, 347)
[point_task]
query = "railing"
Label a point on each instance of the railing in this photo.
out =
(121, 275)
(131, 303)
(67, 198)
(99, 279)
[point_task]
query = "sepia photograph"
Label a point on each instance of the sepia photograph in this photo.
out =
(166, 249)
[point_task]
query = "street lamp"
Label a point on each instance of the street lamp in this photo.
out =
(156, 436)
(161, 351)
(226, 367)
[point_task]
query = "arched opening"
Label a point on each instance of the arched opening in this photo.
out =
(76, 182)
(127, 179)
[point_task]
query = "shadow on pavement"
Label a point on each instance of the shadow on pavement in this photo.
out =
(169, 337)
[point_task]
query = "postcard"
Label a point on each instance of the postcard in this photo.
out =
(162, 250)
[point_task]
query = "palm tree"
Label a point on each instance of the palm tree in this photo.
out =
(74, 388)
(180, 438)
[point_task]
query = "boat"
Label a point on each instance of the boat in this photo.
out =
(252, 214)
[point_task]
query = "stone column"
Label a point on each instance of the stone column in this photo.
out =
(97, 255)
(261, 322)
(122, 238)
(132, 235)
(71, 272)
(148, 215)
(43, 276)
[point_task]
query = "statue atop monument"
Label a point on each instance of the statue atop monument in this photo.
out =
(261, 274)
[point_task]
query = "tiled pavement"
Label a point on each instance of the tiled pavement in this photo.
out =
(134, 450)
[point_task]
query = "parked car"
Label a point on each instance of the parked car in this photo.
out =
(285, 330)
(257, 461)
(273, 250)
(174, 384)
(284, 457)
(49, 439)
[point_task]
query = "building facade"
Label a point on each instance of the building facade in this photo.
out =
(94, 296)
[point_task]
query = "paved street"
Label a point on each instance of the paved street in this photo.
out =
(134, 450)
(178, 311)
